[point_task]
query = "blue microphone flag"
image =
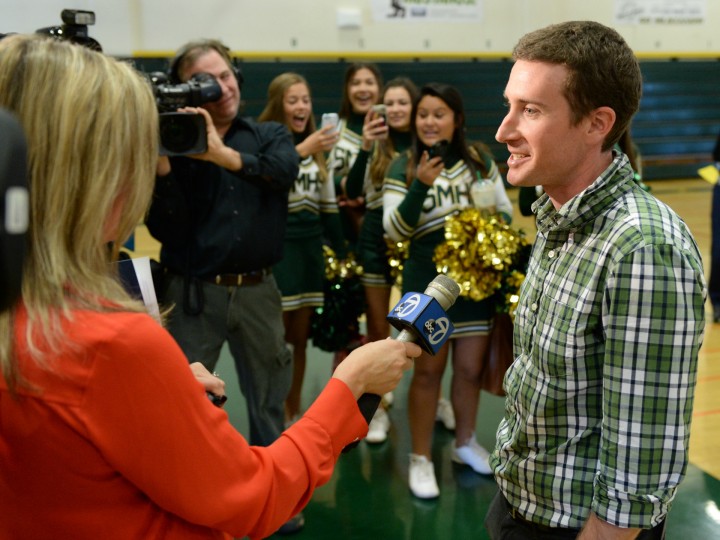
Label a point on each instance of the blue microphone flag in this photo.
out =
(424, 318)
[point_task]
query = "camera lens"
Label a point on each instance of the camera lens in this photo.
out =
(176, 136)
(182, 133)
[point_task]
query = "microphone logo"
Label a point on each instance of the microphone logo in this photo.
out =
(437, 329)
(407, 306)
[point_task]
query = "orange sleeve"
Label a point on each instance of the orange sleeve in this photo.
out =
(153, 422)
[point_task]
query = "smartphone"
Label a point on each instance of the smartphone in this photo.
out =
(329, 119)
(380, 110)
(438, 149)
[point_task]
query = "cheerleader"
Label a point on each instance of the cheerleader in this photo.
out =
(423, 187)
(312, 215)
(361, 90)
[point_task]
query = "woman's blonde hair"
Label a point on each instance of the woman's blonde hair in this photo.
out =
(275, 111)
(91, 126)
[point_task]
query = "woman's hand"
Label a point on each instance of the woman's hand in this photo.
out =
(211, 382)
(343, 200)
(374, 129)
(377, 367)
(321, 140)
(429, 168)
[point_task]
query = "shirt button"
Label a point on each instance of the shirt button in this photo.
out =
(551, 253)
(534, 306)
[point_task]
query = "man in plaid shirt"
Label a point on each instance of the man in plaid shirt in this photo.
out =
(595, 436)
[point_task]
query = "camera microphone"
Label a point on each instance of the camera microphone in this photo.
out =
(422, 319)
(14, 208)
(74, 28)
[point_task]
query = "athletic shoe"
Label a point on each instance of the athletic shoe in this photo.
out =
(422, 478)
(388, 399)
(474, 456)
(379, 427)
(293, 525)
(445, 414)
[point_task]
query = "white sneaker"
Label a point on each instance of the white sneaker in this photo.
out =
(422, 478)
(388, 399)
(379, 427)
(474, 456)
(445, 414)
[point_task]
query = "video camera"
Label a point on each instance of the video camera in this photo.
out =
(183, 133)
(180, 133)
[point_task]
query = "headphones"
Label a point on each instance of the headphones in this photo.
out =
(203, 46)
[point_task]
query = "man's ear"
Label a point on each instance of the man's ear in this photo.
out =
(602, 120)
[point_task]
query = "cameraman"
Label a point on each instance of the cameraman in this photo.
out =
(220, 217)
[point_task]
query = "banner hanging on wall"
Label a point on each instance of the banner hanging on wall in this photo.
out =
(427, 10)
(660, 11)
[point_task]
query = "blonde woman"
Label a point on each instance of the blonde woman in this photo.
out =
(103, 423)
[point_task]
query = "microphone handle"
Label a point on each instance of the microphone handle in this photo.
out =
(368, 403)
(406, 336)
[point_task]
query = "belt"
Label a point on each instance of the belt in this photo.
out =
(240, 280)
(536, 526)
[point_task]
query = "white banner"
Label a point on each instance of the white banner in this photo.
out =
(660, 11)
(445, 11)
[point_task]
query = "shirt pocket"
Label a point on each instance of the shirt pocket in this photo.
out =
(556, 336)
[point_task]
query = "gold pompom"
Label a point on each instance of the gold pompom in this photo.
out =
(484, 255)
(336, 269)
(396, 253)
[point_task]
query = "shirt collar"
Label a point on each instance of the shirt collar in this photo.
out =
(614, 181)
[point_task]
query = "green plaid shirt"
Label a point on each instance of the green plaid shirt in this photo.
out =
(607, 333)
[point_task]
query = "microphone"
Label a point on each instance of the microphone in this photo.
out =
(421, 319)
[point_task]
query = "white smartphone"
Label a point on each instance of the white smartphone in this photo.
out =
(329, 119)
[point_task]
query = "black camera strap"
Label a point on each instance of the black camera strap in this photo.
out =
(193, 297)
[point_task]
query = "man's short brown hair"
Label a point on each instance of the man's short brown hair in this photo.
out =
(603, 70)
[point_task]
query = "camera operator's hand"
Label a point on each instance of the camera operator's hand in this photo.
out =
(217, 152)
(321, 140)
(429, 168)
(163, 166)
